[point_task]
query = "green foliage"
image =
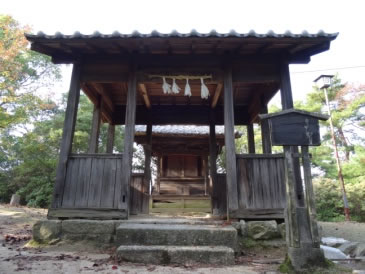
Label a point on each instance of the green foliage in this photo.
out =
(22, 73)
(28, 161)
(347, 103)
(329, 202)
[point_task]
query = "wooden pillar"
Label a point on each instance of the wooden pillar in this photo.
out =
(147, 148)
(159, 173)
(95, 129)
(213, 164)
(287, 103)
(67, 135)
(303, 247)
(147, 153)
(310, 201)
(251, 139)
(130, 118)
(265, 133)
(232, 198)
(206, 173)
(110, 139)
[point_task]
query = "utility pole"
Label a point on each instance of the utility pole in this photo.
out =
(326, 80)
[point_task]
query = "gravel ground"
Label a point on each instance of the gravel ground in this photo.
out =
(15, 257)
(351, 231)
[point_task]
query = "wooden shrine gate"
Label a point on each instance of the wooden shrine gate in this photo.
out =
(134, 79)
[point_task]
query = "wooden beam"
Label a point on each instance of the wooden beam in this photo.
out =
(265, 133)
(162, 60)
(67, 135)
(254, 107)
(143, 90)
(110, 138)
(90, 93)
(105, 112)
(95, 130)
(232, 198)
(130, 118)
(217, 93)
(105, 96)
(251, 139)
(285, 87)
(193, 114)
(89, 213)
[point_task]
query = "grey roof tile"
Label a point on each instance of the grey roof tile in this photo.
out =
(174, 33)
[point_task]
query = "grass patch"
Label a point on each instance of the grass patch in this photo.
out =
(34, 244)
(328, 268)
(249, 243)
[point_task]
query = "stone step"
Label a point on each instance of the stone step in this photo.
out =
(165, 254)
(175, 235)
(171, 220)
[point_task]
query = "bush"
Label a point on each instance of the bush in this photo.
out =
(329, 201)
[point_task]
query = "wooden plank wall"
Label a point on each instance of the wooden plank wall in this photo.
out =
(93, 181)
(261, 181)
(140, 198)
(220, 204)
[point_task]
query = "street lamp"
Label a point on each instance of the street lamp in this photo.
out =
(324, 82)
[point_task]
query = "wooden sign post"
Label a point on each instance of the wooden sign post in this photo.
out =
(291, 128)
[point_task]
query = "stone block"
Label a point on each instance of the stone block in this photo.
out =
(282, 230)
(262, 230)
(243, 227)
(176, 254)
(47, 230)
(15, 200)
(88, 226)
(93, 238)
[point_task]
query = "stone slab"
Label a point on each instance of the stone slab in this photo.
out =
(176, 254)
(88, 227)
(176, 235)
(349, 248)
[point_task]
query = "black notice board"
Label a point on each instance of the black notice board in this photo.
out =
(294, 129)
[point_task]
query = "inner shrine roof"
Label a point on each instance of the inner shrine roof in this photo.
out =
(182, 130)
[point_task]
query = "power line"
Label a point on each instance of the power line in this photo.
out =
(341, 68)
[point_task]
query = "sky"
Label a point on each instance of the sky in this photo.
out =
(345, 57)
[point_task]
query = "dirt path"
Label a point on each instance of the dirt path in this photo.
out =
(15, 232)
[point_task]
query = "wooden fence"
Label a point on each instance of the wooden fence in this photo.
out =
(93, 188)
(261, 184)
(260, 187)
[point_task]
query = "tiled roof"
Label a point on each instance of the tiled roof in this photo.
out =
(297, 48)
(175, 130)
(193, 33)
